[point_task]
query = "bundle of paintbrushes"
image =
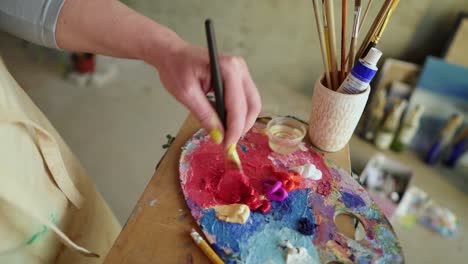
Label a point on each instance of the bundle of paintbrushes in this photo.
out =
(357, 65)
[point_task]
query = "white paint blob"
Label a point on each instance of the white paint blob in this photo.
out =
(296, 255)
(309, 171)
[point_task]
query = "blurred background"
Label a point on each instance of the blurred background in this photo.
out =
(117, 123)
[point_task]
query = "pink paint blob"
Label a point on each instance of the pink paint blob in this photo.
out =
(275, 191)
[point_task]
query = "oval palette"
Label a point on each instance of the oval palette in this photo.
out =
(324, 219)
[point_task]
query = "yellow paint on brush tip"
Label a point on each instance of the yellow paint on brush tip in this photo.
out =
(232, 155)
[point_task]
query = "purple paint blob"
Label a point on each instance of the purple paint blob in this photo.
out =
(275, 191)
(307, 226)
(352, 201)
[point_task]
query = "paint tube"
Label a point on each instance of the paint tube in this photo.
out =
(386, 133)
(408, 130)
(362, 73)
(458, 151)
(444, 138)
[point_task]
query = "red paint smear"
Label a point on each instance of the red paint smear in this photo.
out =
(209, 183)
(233, 187)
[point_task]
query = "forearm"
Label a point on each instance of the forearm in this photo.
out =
(111, 28)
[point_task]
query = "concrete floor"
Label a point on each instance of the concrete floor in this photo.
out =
(419, 244)
(117, 130)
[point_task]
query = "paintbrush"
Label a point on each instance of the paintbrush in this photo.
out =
(332, 44)
(355, 33)
(323, 47)
(374, 28)
(216, 79)
(376, 38)
(233, 180)
(217, 84)
(365, 13)
(327, 42)
(205, 247)
(343, 40)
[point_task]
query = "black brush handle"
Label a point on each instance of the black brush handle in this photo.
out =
(371, 45)
(216, 78)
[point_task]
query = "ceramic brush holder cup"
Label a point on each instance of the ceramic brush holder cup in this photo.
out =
(334, 116)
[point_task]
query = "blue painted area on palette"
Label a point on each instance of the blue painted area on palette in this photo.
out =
(371, 213)
(267, 245)
(390, 250)
(229, 235)
(364, 260)
(264, 232)
(352, 201)
(291, 210)
(243, 147)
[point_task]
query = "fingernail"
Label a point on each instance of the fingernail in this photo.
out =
(216, 136)
(232, 154)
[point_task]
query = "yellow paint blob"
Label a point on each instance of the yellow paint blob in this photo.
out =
(232, 213)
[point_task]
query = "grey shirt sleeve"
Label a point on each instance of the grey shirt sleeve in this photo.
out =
(32, 20)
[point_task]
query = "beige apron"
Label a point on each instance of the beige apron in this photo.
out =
(50, 212)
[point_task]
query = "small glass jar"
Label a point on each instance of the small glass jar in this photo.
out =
(285, 134)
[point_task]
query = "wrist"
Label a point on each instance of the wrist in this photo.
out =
(159, 45)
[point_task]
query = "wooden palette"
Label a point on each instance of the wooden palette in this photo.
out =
(331, 203)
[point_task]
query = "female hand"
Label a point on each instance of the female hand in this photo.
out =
(185, 72)
(183, 68)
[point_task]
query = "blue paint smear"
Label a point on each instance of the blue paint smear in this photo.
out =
(243, 147)
(352, 201)
(372, 214)
(364, 260)
(229, 234)
(267, 249)
(391, 250)
(263, 231)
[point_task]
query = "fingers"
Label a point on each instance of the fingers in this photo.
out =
(242, 100)
(254, 104)
(234, 99)
(195, 100)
